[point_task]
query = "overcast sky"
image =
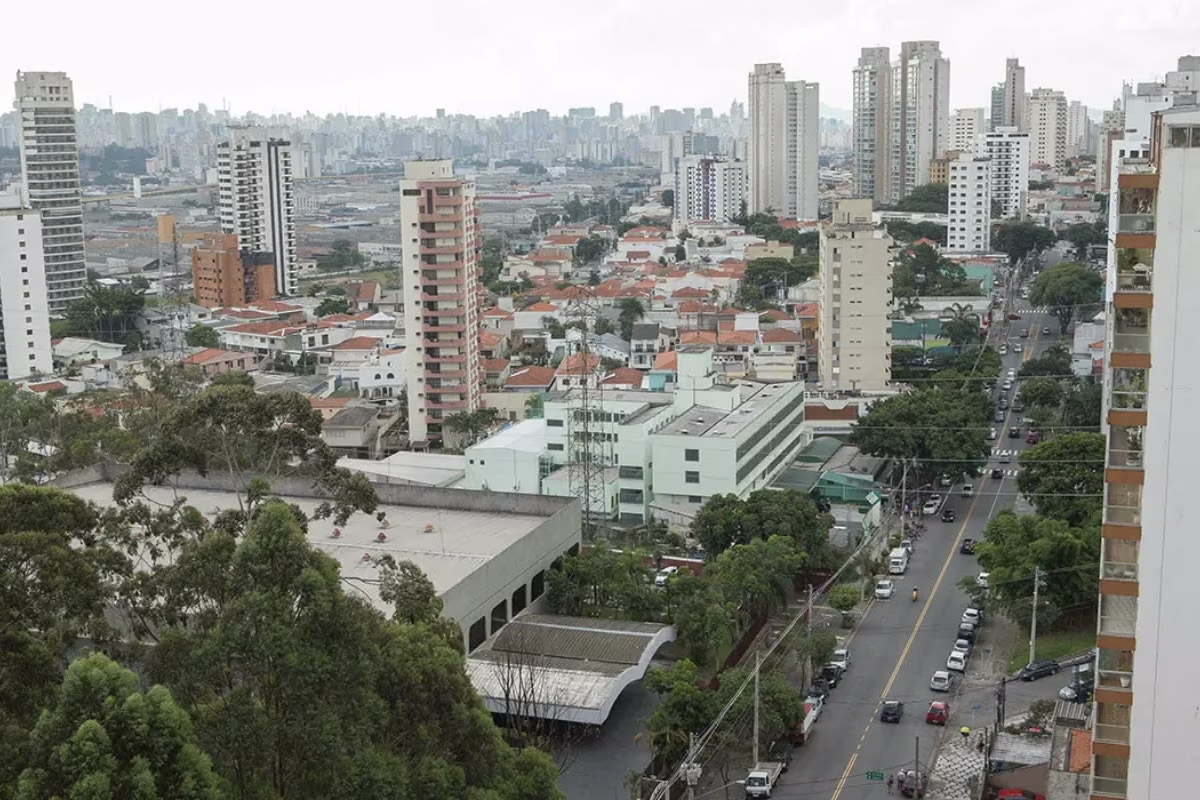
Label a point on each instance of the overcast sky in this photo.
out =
(483, 57)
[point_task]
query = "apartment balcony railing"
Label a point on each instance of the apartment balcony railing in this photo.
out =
(1115, 669)
(449, 373)
(1103, 732)
(1115, 570)
(1129, 389)
(1121, 458)
(436, 297)
(1135, 223)
(1118, 615)
(1109, 787)
(1123, 504)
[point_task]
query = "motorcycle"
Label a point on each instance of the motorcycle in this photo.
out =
(914, 595)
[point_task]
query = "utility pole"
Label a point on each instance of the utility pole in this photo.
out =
(691, 770)
(757, 669)
(1037, 580)
(1001, 698)
(809, 612)
(917, 767)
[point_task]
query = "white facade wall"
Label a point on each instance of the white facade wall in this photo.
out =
(1008, 148)
(708, 189)
(920, 115)
(783, 145)
(856, 300)
(966, 124)
(258, 203)
(1047, 126)
(1077, 128)
(1163, 729)
(872, 128)
(24, 305)
(45, 105)
(970, 205)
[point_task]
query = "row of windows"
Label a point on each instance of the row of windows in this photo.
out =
(785, 430)
(748, 445)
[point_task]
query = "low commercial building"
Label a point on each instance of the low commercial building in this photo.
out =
(224, 276)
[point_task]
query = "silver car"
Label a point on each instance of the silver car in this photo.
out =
(941, 681)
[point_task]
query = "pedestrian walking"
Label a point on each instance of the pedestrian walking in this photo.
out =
(891, 782)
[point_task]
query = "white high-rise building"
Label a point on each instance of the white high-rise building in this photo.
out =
(1008, 149)
(1047, 126)
(1143, 718)
(708, 189)
(970, 204)
(856, 300)
(966, 124)
(24, 306)
(1186, 77)
(1014, 95)
(254, 178)
(920, 116)
(872, 128)
(1077, 129)
(784, 141)
(45, 103)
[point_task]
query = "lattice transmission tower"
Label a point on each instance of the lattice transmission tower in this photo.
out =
(590, 429)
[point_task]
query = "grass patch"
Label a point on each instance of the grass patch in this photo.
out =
(1055, 645)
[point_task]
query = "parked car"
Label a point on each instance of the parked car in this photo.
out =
(841, 657)
(973, 616)
(941, 681)
(819, 689)
(781, 751)
(966, 631)
(982, 579)
(832, 674)
(948, 514)
(999, 417)
(664, 575)
(957, 661)
(931, 507)
(938, 713)
(992, 435)
(908, 545)
(963, 645)
(892, 711)
(968, 547)
(1077, 691)
(884, 589)
(1038, 669)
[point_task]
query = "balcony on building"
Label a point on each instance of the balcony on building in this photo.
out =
(1129, 389)
(1135, 270)
(1112, 723)
(1136, 212)
(1123, 504)
(1118, 615)
(1119, 560)
(1114, 669)
(1125, 446)
(1110, 777)
(1131, 330)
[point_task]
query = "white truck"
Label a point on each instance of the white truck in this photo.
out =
(898, 561)
(762, 778)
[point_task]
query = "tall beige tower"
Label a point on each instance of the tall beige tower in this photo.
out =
(439, 273)
(45, 104)
(783, 145)
(872, 129)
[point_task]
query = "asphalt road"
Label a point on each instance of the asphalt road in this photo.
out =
(899, 644)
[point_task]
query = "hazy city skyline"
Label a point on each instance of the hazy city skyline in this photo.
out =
(545, 56)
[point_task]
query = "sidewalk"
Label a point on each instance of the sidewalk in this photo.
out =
(959, 768)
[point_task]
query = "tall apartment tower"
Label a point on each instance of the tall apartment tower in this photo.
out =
(708, 189)
(966, 125)
(1077, 129)
(1047, 125)
(856, 300)
(872, 128)
(969, 229)
(783, 145)
(920, 118)
(1143, 732)
(224, 276)
(1008, 149)
(24, 305)
(45, 104)
(258, 203)
(996, 120)
(1014, 94)
(439, 273)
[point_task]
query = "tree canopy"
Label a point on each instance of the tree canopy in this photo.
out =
(929, 198)
(1069, 290)
(1054, 362)
(1041, 392)
(107, 313)
(1017, 239)
(332, 305)
(766, 278)
(1064, 477)
(938, 430)
(923, 272)
(202, 336)
(1082, 235)
(343, 255)
(725, 520)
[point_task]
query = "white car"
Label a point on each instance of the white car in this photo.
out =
(963, 646)
(972, 616)
(1012, 373)
(967, 490)
(1017, 347)
(940, 682)
(982, 579)
(931, 507)
(992, 435)
(664, 575)
(884, 589)
(841, 658)
(957, 661)
(1003, 349)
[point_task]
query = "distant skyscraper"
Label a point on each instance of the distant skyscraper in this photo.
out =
(1008, 148)
(1077, 129)
(441, 306)
(1047, 126)
(708, 189)
(616, 111)
(966, 124)
(254, 178)
(783, 144)
(920, 117)
(970, 215)
(997, 118)
(1014, 94)
(45, 103)
(872, 126)
(24, 308)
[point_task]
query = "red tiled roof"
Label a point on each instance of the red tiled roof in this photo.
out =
(698, 337)
(208, 354)
(491, 338)
(737, 337)
(358, 343)
(808, 310)
(328, 402)
(49, 386)
(496, 311)
(367, 290)
(623, 376)
(781, 336)
(548, 307)
(638, 254)
(695, 307)
(668, 360)
(578, 364)
(531, 376)
(567, 240)
(817, 410)
(495, 364)
(773, 315)
(1081, 750)
(265, 328)
(691, 292)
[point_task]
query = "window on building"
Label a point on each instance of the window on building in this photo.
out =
(691, 455)
(553, 423)
(557, 446)
(691, 477)
(695, 498)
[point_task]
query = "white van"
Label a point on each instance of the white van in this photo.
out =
(898, 561)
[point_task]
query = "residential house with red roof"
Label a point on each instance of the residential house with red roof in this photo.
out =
(576, 370)
(216, 361)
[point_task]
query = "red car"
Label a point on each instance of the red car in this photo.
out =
(1019, 794)
(938, 713)
(1033, 437)
(1013, 315)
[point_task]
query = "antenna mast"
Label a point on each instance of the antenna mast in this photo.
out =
(589, 436)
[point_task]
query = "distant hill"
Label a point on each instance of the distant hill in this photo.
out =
(836, 113)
